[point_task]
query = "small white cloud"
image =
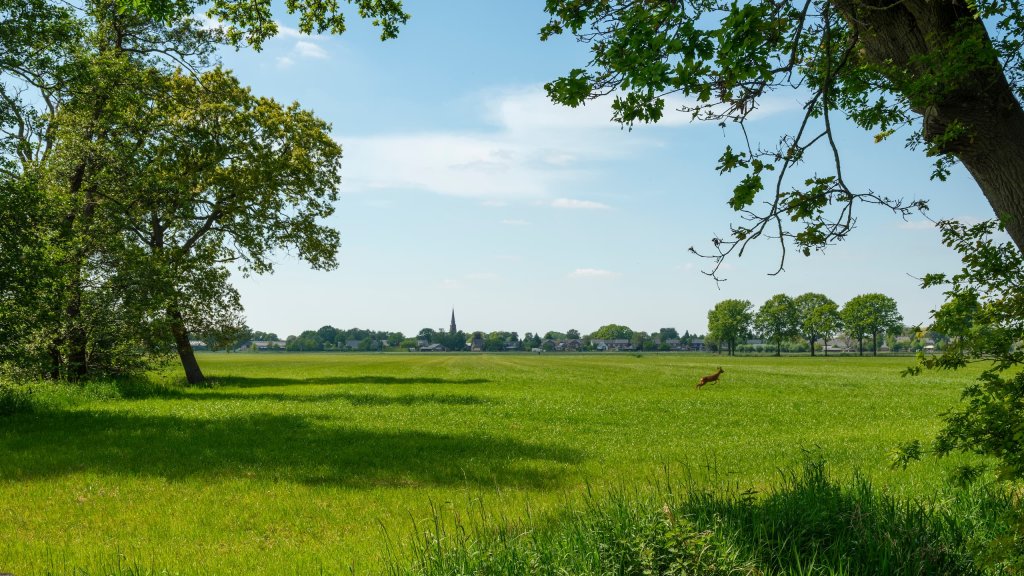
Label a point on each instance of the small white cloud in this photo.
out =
(289, 32)
(308, 49)
(285, 62)
(513, 222)
(592, 273)
(574, 204)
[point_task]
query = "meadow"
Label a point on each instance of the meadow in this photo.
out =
(317, 463)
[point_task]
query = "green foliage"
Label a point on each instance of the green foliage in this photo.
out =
(984, 317)
(729, 322)
(818, 317)
(613, 332)
(872, 314)
(251, 21)
(138, 172)
(718, 61)
(777, 320)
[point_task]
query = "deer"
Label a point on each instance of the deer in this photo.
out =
(710, 378)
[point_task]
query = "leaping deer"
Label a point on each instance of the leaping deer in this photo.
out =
(710, 378)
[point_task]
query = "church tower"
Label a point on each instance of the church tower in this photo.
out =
(452, 329)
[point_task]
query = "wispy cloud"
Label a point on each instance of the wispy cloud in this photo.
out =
(289, 32)
(592, 273)
(515, 222)
(574, 204)
(305, 46)
(308, 49)
(531, 151)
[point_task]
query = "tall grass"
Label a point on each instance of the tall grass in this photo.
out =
(809, 524)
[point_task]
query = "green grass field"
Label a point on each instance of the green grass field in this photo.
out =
(297, 464)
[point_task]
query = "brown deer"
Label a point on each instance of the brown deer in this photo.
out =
(710, 378)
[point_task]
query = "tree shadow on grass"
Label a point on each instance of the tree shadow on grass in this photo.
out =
(270, 447)
(356, 399)
(248, 382)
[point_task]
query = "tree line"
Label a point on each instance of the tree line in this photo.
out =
(811, 316)
(329, 338)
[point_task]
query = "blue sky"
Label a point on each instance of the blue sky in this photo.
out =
(462, 186)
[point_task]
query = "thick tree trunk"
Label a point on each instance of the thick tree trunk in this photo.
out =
(188, 356)
(812, 340)
(874, 344)
(970, 93)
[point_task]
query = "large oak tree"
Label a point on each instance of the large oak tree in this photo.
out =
(150, 171)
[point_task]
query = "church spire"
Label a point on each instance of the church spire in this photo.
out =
(452, 329)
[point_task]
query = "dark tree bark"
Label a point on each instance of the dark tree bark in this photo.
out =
(980, 104)
(188, 356)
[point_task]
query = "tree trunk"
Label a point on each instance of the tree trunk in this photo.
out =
(812, 346)
(874, 343)
(188, 356)
(901, 36)
(77, 358)
(860, 346)
(778, 348)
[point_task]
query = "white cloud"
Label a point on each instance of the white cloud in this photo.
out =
(574, 204)
(305, 46)
(532, 150)
(592, 273)
(306, 49)
(289, 32)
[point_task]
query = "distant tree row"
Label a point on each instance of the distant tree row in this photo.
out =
(329, 338)
(811, 317)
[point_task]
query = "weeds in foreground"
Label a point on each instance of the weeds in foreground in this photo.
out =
(810, 525)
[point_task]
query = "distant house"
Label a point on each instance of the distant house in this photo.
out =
(198, 345)
(697, 345)
(572, 345)
(617, 344)
(476, 344)
(433, 348)
(265, 345)
(836, 346)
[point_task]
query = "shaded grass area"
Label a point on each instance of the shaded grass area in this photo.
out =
(278, 447)
(295, 463)
(810, 524)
